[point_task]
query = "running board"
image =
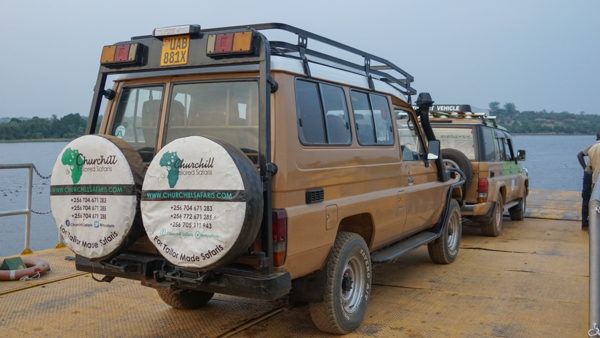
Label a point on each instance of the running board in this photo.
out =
(511, 204)
(394, 251)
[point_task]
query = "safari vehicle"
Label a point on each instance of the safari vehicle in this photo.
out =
(229, 163)
(483, 150)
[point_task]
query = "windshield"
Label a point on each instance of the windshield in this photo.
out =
(136, 119)
(457, 138)
(224, 110)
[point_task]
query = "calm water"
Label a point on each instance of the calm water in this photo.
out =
(551, 161)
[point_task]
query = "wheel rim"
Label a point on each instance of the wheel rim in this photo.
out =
(450, 164)
(453, 232)
(352, 285)
(499, 211)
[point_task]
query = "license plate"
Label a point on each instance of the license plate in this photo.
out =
(175, 50)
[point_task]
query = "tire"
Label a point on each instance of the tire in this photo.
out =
(110, 172)
(457, 158)
(444, 250)
(211, 183)
(347, 286)
(517, 213)
(492, 226)
(184, 299)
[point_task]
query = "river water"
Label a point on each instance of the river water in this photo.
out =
(551, 161)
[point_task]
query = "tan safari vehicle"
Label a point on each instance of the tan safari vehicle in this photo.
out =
(483, 150)
(229, 163)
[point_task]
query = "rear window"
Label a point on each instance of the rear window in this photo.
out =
(457, 138)
(136, 118)
(227, 111)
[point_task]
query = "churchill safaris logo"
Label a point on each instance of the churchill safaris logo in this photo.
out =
(173, 163)
(77, 163)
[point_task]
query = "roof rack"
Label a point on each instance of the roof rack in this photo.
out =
(398, 78)
(484, 117)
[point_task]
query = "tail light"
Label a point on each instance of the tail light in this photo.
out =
(482, 190)
(279, 236)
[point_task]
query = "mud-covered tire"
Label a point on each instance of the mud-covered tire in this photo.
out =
(184, 299)
(347, 286)
(459, 159)
(492, 226)
(444, 250)
(517, 213)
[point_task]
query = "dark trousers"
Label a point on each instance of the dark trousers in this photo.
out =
(586, 193)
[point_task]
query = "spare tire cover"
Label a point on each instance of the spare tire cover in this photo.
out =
(201, 202)
(94, 193)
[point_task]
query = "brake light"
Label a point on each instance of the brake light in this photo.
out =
(125, 54)
(482, 190)
(229, 43)
(279, 236)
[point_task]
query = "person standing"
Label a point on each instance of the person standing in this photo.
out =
(591, 171)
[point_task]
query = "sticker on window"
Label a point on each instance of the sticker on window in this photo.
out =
(120, 132)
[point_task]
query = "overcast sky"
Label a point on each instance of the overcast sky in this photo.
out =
(538, 54)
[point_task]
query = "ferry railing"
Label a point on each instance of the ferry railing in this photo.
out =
(28, 209)
(594, 235)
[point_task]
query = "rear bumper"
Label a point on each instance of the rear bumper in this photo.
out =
(478, 209)
(154, 272)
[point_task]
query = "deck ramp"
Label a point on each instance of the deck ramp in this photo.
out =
(532, 281)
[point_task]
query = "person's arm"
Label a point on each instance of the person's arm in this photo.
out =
(581, 159)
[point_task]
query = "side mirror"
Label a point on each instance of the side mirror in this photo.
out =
(521, 155)
(434, 150)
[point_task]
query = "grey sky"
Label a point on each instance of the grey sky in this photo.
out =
(537, 54)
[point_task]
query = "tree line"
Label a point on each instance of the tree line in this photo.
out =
(519, 122)
(544, 122)
(67, 127)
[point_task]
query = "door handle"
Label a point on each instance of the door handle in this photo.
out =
(411, 180)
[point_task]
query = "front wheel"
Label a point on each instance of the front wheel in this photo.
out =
(517, 213)
(445, 249)
(347, 286)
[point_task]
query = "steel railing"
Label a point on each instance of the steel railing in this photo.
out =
(28, 210)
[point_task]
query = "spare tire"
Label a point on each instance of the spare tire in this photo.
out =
(202, 202)
(94, 194)
(455, 158)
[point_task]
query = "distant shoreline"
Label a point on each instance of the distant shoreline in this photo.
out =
(38, 140)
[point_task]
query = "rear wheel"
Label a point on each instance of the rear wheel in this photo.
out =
(492, 226)
(184, 299)
(517, 213)
(445, 249)
(347, 286)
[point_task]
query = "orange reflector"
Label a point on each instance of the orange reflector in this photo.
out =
(125, 54)
(242, 41)
(229, 43)
(108, 54)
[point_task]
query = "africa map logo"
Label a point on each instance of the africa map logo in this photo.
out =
(75, 161)
(172, 162)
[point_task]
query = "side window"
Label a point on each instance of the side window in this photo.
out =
(336, 114)
(489, 144)
(503, 147)
(410, 145)
(372, 119)
(310, 113)
(508, 149)
(363, 118)
(322, 113)
(383, 123)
